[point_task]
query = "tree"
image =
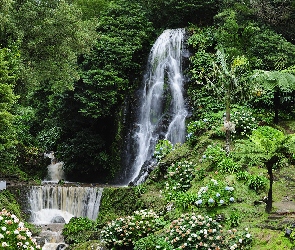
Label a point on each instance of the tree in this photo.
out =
(277, 81)
(227, 81)
(268, 146)
(91, 115)
(52, 35)
(8, 75)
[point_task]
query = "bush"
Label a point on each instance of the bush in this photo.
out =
(77, 230)
(244, 122)
(213, 154)
(124, 231)
(192, 231)
(215, 194)
(152, 242)
(13, 234)
(228, 165)
(162, 148)
(257, 182)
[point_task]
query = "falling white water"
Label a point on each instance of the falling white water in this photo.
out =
(55, 171)
(50, 203)
(164, 69)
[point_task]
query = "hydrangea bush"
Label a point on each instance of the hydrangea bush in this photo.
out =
(215, 194)
(192, 231)
(13, 233)
(179, 177)
(124, 231)
(244, 122)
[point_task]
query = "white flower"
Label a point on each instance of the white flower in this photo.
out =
(248, 235)
(240, 240)
(16, 231)
(4, 244)
(232, 199)
(3, 228)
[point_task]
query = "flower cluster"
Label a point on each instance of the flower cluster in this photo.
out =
(192, 231)
(179, 177)
(244, 123)
(215, 194)
(13, 233)
(125, 230)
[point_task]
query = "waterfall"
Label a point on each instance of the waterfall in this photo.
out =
(55, 171)
(160, 115)
(58, 204)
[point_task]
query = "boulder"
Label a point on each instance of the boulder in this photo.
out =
(58, 219)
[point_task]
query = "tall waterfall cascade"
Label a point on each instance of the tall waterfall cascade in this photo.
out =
(58, 204)
(162, 88)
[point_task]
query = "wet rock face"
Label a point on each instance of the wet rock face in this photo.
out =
(58, 219)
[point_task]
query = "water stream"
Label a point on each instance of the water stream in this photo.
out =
(162, 110)
(51, 205)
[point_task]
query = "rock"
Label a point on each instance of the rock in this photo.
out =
(61, 246)
(58, 219)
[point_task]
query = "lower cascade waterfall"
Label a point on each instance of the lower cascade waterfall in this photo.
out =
(51, 205)
(58, 204)
(162, 110)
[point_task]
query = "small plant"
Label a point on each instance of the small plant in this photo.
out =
(213, 154)
(195, 129)
(234, 219)
(215, 194)
(257, 182)
(13, 233)
(228, 165)
(162, 148)
(192, 231)
(242, 175)
(124, 231)
(152, 242)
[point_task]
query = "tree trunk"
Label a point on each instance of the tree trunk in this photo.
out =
(276, 103)
(269, 196)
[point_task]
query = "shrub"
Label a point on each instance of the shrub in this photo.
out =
(228, 165)
(152, 242)
(77, 230)
(213, 154)
(244, 122)
(162, 148)
(215, 194)
(257, 182)
(179, 177)
(124, 231)
(13, 234)
(192, 231)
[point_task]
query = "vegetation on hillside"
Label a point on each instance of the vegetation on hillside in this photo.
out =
(68, 70)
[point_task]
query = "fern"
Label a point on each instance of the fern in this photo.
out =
(284, 80)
